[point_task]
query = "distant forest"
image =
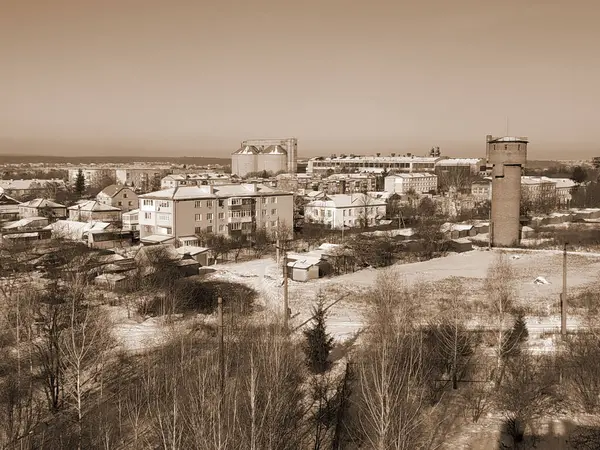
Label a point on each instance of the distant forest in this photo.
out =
(51, 159)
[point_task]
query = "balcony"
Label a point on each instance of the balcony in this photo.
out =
(246, 219)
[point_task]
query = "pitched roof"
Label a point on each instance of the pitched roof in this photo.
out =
(6, 200)
(41, 203)
(347, 201)
(113, 189)
(93, 206)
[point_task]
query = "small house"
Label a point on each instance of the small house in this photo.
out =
(199, 254)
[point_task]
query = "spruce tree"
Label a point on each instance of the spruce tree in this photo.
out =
(318, 343)
(80, 183)
(515, 337)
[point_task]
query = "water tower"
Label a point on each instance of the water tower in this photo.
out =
(507, 156)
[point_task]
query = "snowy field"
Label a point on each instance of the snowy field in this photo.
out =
(346, 317)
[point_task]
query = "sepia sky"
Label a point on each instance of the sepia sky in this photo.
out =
(196, 77)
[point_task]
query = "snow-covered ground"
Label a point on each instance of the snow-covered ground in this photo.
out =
(346, 317)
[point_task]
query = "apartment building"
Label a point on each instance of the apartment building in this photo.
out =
(119, 196)
(233, 209)
(143, 178)
(402, 183)
(535, 188)
(482, 189)
(130, 220)
(343, 210)
(352, 163)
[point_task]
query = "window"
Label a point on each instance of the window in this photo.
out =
(328, 213)
(236, 226)
(147, 215)
(264, 212)
(221, 227)
(124, 194)
(120, 203)
(198, 217)
(236, 201)
(273, 223)
(198, 230)
(130, 203)
(163, 217)
(198, 204)
(209, 216)
(209, 204)
(148, 202)
(273, 199)
(221, 215)
(164, 204)
(209, 229)
(273, 212)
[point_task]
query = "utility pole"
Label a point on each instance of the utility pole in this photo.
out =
(285, 292)
(277, 236)
(221, 350)
(563, 297)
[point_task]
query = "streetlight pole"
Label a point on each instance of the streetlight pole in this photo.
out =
(563, 297)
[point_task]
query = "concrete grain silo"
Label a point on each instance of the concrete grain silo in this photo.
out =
(273, 159)
(507, 155)
(245, 160)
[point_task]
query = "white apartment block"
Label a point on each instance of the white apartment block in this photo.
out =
(402, 183)
(376, 164)
(187, 211)
(141, 177)
(339, 210)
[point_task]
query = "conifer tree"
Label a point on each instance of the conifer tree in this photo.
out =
(80, 183)
(318, 343)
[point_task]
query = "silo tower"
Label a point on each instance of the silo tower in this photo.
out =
(507, 155)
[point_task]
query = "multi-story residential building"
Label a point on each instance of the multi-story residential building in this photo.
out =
(130, 220)
(536, 188)
(343, 210)
(119, 196)
(187, 211)
(403, 183)
(40, 207)
(346, 183)
(94, 211)
(142, 178)
(91, 175)
(377, 164)
(194, 179)
(482, 189)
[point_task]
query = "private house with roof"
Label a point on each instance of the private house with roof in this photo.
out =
(41, 207)
(94, 211)
(343, 210)
(118, 196)
(9, 208)
(184, 212)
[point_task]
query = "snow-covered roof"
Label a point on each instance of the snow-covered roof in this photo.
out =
(75, 230)
(212, 191)
(347, 201)
(93, 206)
(156, 239)
(26, 222)
(191, 250)
(41, 203)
